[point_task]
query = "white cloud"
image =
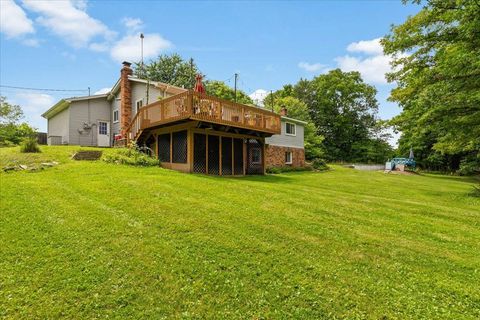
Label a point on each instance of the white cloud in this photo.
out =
(372, 69)
(370, 47)
(312, 67)
(69, 55)
(31, 42)
(367, 58)
(103, 91)
(69, 20)
(33, 105)
(258, 96)
(132, 24)
(129, 48)
(13, 20)
(99, 46)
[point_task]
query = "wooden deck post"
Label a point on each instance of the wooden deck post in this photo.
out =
(233, 156)
(190, 103)
(263, 156)
(206, 153)
(156, 145)
(190, 147)
(245, 157)
(220, 155)
(171, 148)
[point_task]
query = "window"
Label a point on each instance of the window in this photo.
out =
(139, 104)
(102, 128)
(290, 129)
(288, 157)
(115, 116)
(256, 156)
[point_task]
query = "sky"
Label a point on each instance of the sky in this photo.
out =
(76, 45)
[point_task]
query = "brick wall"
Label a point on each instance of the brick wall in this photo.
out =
(126, 97)
(275, 156)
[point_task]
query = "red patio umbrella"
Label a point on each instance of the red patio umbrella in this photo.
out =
(199, 85)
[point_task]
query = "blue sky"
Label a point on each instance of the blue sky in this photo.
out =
(80, 44)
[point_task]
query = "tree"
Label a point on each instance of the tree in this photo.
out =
(220, 90)
(343, 109)
(298, 110)
(436, 60)
(171, 69)
(11, 131)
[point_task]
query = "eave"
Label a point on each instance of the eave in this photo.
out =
(57, 108)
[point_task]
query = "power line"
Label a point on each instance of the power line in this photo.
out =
(44, 89)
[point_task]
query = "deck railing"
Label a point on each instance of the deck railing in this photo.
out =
(197, 106)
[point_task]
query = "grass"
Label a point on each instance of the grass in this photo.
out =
(95, 240)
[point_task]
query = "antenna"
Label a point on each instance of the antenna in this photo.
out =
(236, 77)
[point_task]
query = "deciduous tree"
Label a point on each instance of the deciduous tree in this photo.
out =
(437, 71)
(11, 131)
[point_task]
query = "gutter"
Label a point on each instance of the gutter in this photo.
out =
(57, 108)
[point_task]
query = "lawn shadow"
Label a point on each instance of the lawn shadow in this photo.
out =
(269, 178)
(470, 179)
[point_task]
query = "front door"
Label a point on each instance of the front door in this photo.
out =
(103, 136)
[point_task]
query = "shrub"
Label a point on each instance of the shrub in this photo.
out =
(30, 145)
(276, 170)
(319, 164)
(469, 166)
(132, 155)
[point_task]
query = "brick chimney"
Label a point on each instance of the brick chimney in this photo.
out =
(283, 111)
(125, 97)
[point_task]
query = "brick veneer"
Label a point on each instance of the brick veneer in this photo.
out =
(275, 156)
(126, 97)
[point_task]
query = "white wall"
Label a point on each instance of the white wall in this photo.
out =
(285, 140)
(84, 112)
(58, 126)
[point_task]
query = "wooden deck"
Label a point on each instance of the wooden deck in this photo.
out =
(195, 106)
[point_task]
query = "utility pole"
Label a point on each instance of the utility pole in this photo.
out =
(143, 73)
(236, 76)
(89, 91)
(141, 40)
(271, 98)
(191, 72)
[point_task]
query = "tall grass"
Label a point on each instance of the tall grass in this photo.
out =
(30, 145)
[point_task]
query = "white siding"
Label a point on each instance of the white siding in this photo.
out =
(115, 103)
(285, 140)
(84, 113)
(139, 92)
(58, 127)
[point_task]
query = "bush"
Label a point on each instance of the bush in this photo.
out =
(30, 145)
(276, 170)
(132, 155)
(469, 166)
(319, 164)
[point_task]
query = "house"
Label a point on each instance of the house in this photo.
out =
(187, 130)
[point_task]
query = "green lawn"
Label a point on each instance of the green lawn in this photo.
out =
(94, 240)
